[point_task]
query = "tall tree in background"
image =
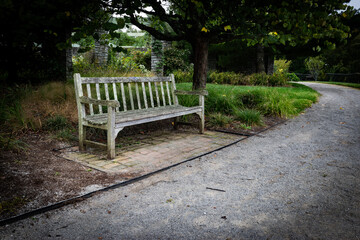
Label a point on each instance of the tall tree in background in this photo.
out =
(202, 22)
(35, 33)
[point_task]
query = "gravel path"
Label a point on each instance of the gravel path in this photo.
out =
(300, 180)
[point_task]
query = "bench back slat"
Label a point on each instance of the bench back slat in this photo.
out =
(98, 96)
(115, 95)
(151, 95)
(137, 96)
(123, 96)
(88, 88)
(131, 97)
(133, 93)
(157, 94)
(168, 92)
(162, 93)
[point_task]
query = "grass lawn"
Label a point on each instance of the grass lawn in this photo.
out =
(249, 104)
(353, 85)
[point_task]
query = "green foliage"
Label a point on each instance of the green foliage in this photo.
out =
(250, 117)
(176, 59)
(55, 123)
(281, 66)
(277, 101)
(315, 66)
(12, 205)
(292, 77)
(182, 76)
(8, 142)
(219, 119)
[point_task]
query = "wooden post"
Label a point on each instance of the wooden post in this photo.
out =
(111, 133)
(202, 114)
(81, 110)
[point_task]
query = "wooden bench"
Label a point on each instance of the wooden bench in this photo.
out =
(125, 101)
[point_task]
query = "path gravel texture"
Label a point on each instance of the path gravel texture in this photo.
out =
(300, 180)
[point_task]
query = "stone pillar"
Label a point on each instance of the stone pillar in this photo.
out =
(157, 56)
(101, 51)
(69, 64)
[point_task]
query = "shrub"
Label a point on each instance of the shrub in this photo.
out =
(292, 77)
(259, 79)
(176, 59)
(55, 123)
(219, 119)
(315, 66)
(281, 66)
(277, 80)
(181, 76)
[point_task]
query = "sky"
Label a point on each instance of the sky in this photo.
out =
(355, 4)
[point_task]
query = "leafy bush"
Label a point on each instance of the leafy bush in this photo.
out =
(228, 78)
(281, 66)
(181, 76)
(277, 80)
(55, 123)
(292, 77)
(259, 79)
(176, 59)
(219, 119)
(315, 66)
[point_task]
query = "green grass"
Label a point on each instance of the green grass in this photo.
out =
(250, 117)
(353, 85)
(250, 103)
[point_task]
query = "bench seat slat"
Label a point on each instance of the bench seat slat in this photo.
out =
(132, 117)
(123, 79)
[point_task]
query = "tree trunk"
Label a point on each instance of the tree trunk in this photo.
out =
(260, 64)
(200, 48)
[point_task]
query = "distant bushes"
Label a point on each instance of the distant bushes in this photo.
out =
(232, 78)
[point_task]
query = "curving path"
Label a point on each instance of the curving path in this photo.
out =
(300, 180)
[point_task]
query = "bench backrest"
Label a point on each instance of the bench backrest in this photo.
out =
(132, 92)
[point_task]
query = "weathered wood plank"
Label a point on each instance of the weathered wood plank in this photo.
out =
(168, 92)
(151, 95)
(123, 96)
(138, 95)
(144, 94)
(106, 91)
(173, 89)
(115, 95)
(123, 79)
(98, 97)
(143, 114)
(157, 95)
(89, 95)
(109, 103)
(81, 110)
(162, 93)
(131, 97)
(201, 92)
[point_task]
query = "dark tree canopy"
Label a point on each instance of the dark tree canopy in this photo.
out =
(34, 34)
(202, 22)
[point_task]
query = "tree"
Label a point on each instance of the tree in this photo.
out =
(202, 22)
(35, 35)
(314, 65)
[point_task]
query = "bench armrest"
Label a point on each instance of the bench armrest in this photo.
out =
(109, 103)
(201, 92)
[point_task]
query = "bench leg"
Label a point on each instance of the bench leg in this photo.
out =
(176, 123)
(202, 122)
(111, 136)
(82, 137)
